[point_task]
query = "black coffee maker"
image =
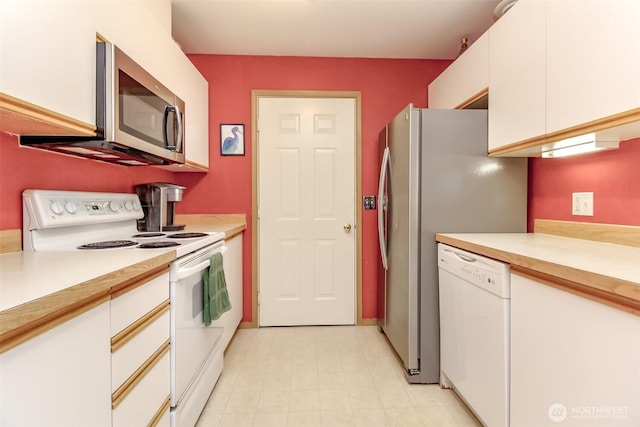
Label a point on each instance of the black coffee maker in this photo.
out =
(158, 201)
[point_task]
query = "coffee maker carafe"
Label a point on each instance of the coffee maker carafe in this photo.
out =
(158, 201)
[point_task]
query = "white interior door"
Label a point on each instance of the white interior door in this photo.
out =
(306, 211)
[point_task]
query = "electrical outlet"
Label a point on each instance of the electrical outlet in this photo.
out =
(582, 204)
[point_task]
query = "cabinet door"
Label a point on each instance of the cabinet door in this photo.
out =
(61, 377)
(593, 60)
(465, 80)
(136, 31)
(48, 55)
(133, 26)
(194, 90)
(573, 360)
(232, 260)
(517, 75)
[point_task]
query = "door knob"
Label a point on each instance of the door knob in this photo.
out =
(347, 228)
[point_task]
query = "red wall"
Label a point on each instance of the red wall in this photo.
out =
(613, 177)
(386, 86)
(23, 167)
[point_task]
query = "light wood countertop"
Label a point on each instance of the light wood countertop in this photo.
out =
(603, 270)
(230, 224)
(39, 287)
(42, 288)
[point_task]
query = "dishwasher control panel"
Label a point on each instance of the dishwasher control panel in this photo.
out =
(486, 273)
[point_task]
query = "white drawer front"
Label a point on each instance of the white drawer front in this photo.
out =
(129, 307)
(139, 407)
(126, 359)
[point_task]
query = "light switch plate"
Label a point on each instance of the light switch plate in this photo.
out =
(582, 204)
(369, 202)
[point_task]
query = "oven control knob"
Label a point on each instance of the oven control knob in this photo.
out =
(57, 208)
(114, 206)
(128, 205)
(136, 206)
(70, 207)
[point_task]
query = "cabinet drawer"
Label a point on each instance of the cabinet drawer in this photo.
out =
(140, 406)
(145, 340)
(132, 305)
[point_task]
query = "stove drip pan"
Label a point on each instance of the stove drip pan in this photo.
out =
(187, 235)
(109, 244)
(155, 245)
(145, 235)
(173, 227)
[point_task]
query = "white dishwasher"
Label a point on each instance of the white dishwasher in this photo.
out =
(474, 331)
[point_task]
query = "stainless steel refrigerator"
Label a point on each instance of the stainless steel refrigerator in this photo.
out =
(435, 176)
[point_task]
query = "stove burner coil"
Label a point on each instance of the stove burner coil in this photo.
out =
(154, 245)
(186, 235)
(109, 244)
(142, 235)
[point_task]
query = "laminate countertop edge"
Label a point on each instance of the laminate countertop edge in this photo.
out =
(37, 313)
(230, 224)
(625, 293)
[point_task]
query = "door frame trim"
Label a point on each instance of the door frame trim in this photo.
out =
(255, 95)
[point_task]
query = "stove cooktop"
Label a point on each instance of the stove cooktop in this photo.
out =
(71, 220)
(187, 241)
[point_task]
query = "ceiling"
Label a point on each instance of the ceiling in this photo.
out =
(420, 29)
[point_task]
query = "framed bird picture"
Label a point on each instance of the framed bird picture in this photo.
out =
(232, 140)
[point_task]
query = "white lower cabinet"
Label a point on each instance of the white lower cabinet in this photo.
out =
(140, 371)
(61, 377)
(232, 263)
(145, 403)
(574, 361)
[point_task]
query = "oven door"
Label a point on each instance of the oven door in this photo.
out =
(191, 341)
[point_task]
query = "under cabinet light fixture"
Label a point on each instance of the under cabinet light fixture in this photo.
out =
(587, 143)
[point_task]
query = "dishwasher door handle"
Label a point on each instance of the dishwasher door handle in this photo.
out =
(461, 256)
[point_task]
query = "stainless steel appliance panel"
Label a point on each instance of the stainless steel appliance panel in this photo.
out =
(401, 309)
(452, 186)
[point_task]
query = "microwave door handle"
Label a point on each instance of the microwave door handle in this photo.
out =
(168, 145)
(180, 135)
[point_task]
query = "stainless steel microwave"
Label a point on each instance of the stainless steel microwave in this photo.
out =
(139, 121)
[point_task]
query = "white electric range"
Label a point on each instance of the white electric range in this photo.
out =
(74, 220)
(86, 221)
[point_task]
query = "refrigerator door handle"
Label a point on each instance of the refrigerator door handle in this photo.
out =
(382, 206)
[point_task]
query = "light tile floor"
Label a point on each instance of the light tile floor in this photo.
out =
(324, 376)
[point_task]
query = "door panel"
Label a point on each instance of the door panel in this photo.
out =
(306, 160)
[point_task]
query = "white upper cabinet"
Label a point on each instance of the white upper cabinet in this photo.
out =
(140, 35)
(517, 75)
(559, 69)
(593, 61)
(465, 81)
(48, 66)
(48, 56)
(193, 89)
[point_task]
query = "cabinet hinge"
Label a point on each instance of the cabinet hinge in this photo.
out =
(258, 297)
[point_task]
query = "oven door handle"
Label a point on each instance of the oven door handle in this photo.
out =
(186, 272)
